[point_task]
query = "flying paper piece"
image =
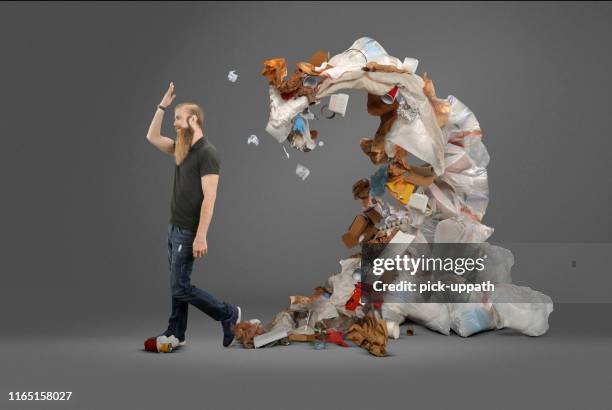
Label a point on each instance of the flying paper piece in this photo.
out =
(253, 140)
(302, 172)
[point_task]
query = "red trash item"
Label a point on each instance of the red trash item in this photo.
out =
(389, 98)
(159, 344)
(150, 344)
(355, 298)
(335, 336)
(371, 296)
(287, 96)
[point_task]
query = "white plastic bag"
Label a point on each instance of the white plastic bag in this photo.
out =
(521, 308)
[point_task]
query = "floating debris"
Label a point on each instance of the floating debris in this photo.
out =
(253, 140)
(302, 171)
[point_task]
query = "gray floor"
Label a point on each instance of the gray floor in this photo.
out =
(566, 369)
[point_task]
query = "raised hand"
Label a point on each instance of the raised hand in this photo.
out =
(169, 96)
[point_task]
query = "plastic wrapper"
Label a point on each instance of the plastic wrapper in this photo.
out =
(434, 316)
(461, 229)
(498, 267)
(253, 140)
(343, 283)
(362, 51)
(323, 309)
(282, 320)
(341, 323)
(302, 172)
(282, 114)
(462, 125)
(521, 308)
(470, 318)
(421, 137)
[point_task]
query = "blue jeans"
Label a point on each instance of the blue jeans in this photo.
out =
(180, 260)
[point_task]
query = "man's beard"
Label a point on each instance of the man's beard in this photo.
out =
(184, 136)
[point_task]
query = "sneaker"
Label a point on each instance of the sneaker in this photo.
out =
(228, 335)
(176, 342)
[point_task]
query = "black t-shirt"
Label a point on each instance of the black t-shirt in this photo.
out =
(187, 195)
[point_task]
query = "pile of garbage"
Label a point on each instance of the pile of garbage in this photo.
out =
(442, 199)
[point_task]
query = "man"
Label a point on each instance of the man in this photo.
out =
(196, 177)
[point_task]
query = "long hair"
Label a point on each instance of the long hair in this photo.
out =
(185, 136)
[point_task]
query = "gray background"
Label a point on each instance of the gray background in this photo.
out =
(86, 197)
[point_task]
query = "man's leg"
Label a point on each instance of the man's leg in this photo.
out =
(177, 324)
(181, 242)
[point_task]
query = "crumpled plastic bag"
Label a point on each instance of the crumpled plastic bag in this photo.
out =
(343, 283)
(282, 114)
(434, 316)
(521, 308)
(302, 172)
(323, 309)
(469, 318)
(421, 137)
(282, 320)
(361, 52)
(461, 229)
(498, 266)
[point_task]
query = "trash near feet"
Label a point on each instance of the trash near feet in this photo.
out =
(245, 332)
(428, 154)
(161, 344)
(232, 76)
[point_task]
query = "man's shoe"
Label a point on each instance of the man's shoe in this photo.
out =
(228, 335)
(174, 340)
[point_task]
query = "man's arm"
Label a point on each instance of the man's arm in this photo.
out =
(154, 135)
(209, 187)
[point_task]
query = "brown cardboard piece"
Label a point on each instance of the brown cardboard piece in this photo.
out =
(296, 337)
(371, 335)
(361, 189)
(275, 70)
(363, 228)
(373, 215)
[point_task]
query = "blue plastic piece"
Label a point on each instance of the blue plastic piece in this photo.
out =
(378, 181)
(299, 125)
